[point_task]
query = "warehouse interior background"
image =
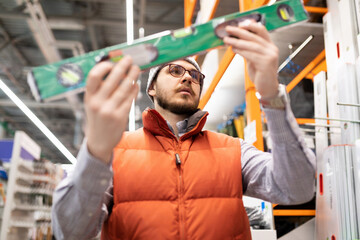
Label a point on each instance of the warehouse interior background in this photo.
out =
(71, 27)
(322, 80)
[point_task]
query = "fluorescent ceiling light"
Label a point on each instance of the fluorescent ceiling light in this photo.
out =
(129, 21)
(37, 122)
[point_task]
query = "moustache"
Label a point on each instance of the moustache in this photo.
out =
(186, 89)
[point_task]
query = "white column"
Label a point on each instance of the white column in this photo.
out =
(130, 39)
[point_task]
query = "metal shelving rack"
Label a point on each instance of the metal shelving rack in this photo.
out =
(27, 212)
(253, 110)
(337, 116)
(337, 122)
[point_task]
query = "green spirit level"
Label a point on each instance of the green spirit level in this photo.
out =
(51, 81)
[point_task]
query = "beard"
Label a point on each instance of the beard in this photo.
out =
(188, 108)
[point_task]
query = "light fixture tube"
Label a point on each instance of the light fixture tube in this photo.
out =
(37, 122)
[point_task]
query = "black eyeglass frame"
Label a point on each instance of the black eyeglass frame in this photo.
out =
(200, 81)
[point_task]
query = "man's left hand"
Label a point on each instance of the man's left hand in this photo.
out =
(252, 41)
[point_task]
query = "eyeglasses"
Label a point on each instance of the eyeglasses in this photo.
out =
(179, 71)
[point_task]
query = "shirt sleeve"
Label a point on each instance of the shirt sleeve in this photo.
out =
(82, 200)
(287, 175)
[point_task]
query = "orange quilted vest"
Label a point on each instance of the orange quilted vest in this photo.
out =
(169, 188)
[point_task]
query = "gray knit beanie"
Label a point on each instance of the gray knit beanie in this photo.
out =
(155, 70)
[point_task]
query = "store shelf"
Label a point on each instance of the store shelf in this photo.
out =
(31, 178)
(22, 224)
(26, 166)
(28, 190)
(293, 212)
(32, 208)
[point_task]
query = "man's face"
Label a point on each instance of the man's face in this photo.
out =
(179, 95)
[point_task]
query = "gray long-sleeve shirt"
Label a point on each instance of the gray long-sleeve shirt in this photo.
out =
(285, 176)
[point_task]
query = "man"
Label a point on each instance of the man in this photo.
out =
(171, 179)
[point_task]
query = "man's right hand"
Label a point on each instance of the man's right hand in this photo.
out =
(110, 90)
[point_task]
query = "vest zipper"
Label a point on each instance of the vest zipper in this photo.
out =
(177, 160)
(181, 203)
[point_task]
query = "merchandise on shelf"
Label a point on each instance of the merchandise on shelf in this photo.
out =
(32, 180)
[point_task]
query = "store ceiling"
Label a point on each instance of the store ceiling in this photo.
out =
(93, 25)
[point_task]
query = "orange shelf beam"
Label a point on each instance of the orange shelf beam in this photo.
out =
(189, 7)
(245, 5)
(321, 67)
(225, 62)
(302, 121)
(320, 10)
(211, 16)
(2, 193)
(214, 10)
(252, 103)
(258, 3)
(293, 212)
(305, 71)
